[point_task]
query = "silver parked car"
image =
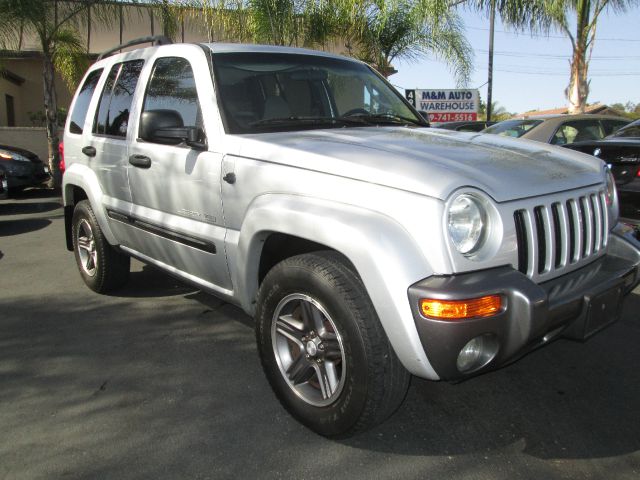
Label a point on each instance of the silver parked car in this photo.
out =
(302, 187)
(559, 129)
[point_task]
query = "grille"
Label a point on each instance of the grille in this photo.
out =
(560, 234)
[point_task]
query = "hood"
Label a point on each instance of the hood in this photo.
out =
(428, 161)
(25, 153)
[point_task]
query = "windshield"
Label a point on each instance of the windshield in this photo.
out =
(632, 130)
(512, 128)
(279, 91)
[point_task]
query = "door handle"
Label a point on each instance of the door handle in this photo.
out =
(230, 178)
(140, 161)
(89, 151)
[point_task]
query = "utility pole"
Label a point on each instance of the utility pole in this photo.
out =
(492, 21)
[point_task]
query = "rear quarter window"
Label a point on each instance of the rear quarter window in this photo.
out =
(81, 107)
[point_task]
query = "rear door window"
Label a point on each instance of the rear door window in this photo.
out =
(112, 118)
(577, 131)
(81, 107)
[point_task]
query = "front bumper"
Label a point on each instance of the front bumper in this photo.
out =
(26, 174)
(575, 305)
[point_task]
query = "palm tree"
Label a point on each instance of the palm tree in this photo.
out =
(387, 30)
(577, 19)
(377, 31)
(56, 26)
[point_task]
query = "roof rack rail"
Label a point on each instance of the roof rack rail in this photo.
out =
(154, 39)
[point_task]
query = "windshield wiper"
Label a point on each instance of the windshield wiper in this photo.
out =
(387, 118)
(308, 121)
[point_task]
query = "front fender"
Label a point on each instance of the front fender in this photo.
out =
(385, 256)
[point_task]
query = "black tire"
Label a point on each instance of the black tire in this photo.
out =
(102, 267)
(372, 381)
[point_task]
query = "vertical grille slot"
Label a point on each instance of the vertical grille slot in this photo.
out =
(556, 235)
(597, 222)
(541, 238)
(573, 230)
(555, 214)
(523, 245)
(605, 220)
(582, 220)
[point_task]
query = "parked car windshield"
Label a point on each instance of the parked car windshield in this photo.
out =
(631, 130)
(512, 128)
(263, 92)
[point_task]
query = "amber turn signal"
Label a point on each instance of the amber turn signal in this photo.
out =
(461, 309)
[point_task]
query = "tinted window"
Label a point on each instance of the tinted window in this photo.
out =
(512, 128)
(172, 87)
(631, 130)
(577, 131)
(81, 107)
(611, 126)
(115, 103)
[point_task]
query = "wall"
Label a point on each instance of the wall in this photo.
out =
(28, 97)
(29, 138)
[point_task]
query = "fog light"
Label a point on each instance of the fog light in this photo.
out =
(478, 352)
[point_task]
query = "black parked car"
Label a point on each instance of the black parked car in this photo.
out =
(23, 168)
(464, 126)
(4, 189)
(621, 150)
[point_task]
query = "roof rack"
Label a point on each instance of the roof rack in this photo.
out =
(154, 39)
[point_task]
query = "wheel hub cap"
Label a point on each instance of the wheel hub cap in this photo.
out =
(86, 246)
(308, 349)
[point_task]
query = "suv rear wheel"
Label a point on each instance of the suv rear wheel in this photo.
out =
(323, 348)
(102, 267)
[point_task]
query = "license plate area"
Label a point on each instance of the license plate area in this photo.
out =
(604, 309)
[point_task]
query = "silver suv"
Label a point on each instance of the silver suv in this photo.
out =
(303, 188)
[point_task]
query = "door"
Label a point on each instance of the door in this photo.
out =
(104, 144)
(177, 207)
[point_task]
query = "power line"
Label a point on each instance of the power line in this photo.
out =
(555, 73)
(535, 35)
(556, 56)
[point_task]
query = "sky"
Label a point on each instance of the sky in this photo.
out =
(531, 73)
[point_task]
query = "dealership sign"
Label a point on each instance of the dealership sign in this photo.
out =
(446, 105)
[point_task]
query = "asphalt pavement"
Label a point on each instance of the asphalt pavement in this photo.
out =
(163, 381)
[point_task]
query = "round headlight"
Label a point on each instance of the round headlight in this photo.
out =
(466, 221)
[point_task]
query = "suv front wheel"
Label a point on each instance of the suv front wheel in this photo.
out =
(323, 348)
(102, 267)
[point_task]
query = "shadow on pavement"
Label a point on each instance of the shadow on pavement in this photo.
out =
(145, 387)
(151, 282)
(15, 208)
(16, 227)
(36, 192)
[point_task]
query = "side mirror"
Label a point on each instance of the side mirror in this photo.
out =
(166, 127)
(191, 136)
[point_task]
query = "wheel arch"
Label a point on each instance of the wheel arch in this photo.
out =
(80, 183)
(382, 253)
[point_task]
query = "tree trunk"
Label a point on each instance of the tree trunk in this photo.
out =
(578, 89)
(51, 113)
